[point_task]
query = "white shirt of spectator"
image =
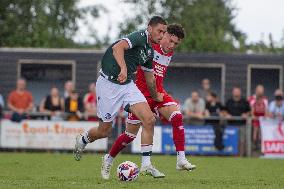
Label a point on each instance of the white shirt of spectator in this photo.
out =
(276, 109)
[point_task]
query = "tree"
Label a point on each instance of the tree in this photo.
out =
(208, 24)
(40, 23)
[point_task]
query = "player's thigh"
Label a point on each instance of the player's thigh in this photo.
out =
(166, 111)
(109, 99)
(136, 103)
(143, 112)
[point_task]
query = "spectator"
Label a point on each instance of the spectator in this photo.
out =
(68, 88)
(20, 101)
(259, 104)
(53, 104)
(238, 106)
(90, 103)
(276, 107)
(74, 106)
(194, 108)
(206, 88)
(2, 104)
(215, 108)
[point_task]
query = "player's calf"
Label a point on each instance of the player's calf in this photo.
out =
(176, 120)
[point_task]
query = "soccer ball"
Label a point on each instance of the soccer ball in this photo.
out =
(127, 171)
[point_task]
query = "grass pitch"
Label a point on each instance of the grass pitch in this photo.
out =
(52, 170)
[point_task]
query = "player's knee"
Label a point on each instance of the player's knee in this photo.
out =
(149, 121)
(176, 119)
(176, 116)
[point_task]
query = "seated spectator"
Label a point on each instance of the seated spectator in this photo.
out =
(215, 108)
(276, 107)
(194, 109)
(90, 103)
(237, 106)
(20, 101)
(259, 105)
(74, 107)
(2, 104)
(68, 88)
(206, 88)
(53, 104)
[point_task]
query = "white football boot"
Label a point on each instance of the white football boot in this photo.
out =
(105, 168)
(79, 148)
(152, 171)
(185, 165)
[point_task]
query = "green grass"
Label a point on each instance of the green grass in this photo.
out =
(51, 170)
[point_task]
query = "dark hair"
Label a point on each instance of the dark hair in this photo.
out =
(213, 94)
(177, 30)
(155, 20)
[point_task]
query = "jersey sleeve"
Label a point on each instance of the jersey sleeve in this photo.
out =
(148, 66)
(135, 39)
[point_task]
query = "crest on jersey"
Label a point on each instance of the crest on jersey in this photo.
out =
(157, 57)
(107, 116)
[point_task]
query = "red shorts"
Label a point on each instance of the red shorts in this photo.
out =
(167, 101)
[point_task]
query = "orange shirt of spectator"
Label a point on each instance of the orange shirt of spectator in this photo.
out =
(20, 100)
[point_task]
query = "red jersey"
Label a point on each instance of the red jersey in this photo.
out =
(161, 62)
(259, 105)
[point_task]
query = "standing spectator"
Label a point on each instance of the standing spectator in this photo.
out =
(206, 88)
(238, 106)
(74, 107)
(2, 104)
(194, 109)
(259, 104)
(53, 104)
(215, 108)
(20, 101)
(90, 103)
(68, 88)
(276, 107)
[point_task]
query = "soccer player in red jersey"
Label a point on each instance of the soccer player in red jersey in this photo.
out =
(168, 108)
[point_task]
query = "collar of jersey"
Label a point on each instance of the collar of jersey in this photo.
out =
(147, 35)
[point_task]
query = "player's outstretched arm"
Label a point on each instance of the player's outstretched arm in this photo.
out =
(151, 84)
(118, 53)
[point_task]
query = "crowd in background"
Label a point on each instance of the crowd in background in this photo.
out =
(69, 106)
(199, 107)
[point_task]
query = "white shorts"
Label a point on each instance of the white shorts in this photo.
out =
(111, 96)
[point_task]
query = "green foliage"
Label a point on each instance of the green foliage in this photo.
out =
(208, 24)
(40, 23)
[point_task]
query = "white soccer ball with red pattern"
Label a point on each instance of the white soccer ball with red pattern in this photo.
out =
(127, 171)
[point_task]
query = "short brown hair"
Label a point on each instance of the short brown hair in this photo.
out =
(157, 20)
(176, 30)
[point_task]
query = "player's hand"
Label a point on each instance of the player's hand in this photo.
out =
(160, 97)
(122, 77)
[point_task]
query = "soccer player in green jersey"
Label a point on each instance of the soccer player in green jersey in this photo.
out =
(115, 87)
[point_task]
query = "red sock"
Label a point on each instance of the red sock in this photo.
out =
(178, 130)
(121, 142)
